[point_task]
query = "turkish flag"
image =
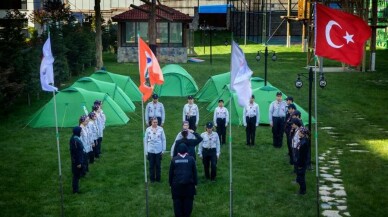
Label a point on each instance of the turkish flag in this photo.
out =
(340, 36)
(149, 69)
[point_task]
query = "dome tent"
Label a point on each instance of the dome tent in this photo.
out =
(111, 89)
(177, 82)
(70, 106)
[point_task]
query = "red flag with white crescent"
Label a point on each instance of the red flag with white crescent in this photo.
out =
(340, 36)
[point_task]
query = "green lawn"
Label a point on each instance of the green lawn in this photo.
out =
(262, 178)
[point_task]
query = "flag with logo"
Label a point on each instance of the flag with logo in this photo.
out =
(240, 75)
(149, 69)
(46, 68)
(340, 36)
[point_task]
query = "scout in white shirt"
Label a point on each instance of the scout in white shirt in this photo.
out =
(209, 151)
(221, 120)
(154, 109)
(251, 119)
(277, 116)
(191, 113)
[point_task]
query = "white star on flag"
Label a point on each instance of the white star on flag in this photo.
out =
(348, 37)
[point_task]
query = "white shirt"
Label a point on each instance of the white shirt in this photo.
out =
(277, 109)
(154, 140)
(93, 130)
(154, 110)
(178, 137)
(190, 110)
(85, 138)
(221, 112)
(251, 110)
(209, 141)
(295, 139)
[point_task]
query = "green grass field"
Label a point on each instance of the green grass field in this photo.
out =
(262, 178)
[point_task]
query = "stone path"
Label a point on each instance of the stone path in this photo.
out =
(332, 193)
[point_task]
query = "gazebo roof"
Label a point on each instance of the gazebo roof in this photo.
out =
(137, 15)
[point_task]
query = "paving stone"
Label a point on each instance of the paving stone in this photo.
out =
(342, 201)
(331, 203)
(333, 179)
(325, 206)
(321, 158)
(332, 133)
(325, 168)
(359, 151)
(360, 118)
(324, 193)
(346, 214)
(327, 128)
(337, 174)
(334, 161)
(331, 213)
(337, 170)
(342, 208)
(336, 185)
(325, 188)
(327, 175)
(340, 193)
(327, 198)
(323, 171)
(352, 144)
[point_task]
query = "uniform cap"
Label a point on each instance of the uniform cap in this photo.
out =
(190, 97)
(155, 96)
(209, 125)
(279, 94)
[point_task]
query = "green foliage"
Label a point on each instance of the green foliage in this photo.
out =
(109, 37)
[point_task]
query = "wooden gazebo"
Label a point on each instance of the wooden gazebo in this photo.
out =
(171, 33)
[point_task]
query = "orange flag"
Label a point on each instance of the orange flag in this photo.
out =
(149, 69)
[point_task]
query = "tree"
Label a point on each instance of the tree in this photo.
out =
(97, 11)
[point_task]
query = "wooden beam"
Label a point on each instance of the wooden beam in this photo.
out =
(147, 11)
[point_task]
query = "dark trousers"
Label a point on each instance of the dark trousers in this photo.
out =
(209, 158)
(183, 206)
(250, 130)
(155, 166)
(221, 129)
(192, 120)
(300, 179)
(85, 164)
(76, 176)
(97, 149)
(289, 146)
(278, 131)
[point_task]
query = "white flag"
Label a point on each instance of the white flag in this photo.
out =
(46, 68)
(240, 75)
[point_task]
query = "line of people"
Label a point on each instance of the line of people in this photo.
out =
(85, 143)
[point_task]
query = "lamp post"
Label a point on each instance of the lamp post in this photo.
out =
(299, 84)
(266, 53)
(210, 29)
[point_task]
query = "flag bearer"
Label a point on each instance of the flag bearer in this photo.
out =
(221, 120)
(251, 119)
(155, 146)
(191, 113)
(209, 151)
(155, 109)
(277, 114)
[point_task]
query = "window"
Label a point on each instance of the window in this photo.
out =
(142, 30)
(175, 32)
(162, 33)
(130, 33)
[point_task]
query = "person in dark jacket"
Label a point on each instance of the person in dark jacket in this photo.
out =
(76, 153)
(183, 181)
(301, 159)
(190, 143)
(287, 129)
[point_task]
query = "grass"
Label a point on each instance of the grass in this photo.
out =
(262, 178)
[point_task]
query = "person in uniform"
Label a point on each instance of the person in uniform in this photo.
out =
(209, 151)
(277, 114)
(101, 120)
(190, 143)
(183, 181)
(76, 153)
(251, 119)
(155, 109)
(155, 146)
(185, 126)
(301, 158)
(296, 124)
(289, 100)
(191, 113)
(93, 134)
(85, 139)
(221, 120)
(287, 129)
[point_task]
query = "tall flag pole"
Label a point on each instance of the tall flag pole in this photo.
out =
(316, 134)
(150, 74)
(47, 83)
(340, 36)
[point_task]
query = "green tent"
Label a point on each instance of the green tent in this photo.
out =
(124, 82)
(70, 106)
(215, 84)
(263, 97)
(111, 89)
(177, 82)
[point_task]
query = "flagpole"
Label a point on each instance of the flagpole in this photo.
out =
(230, 160)
(59, 154)
(145, 160)
(316, 130)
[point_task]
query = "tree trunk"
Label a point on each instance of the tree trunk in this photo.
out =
(97, 10)
(152, 28)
